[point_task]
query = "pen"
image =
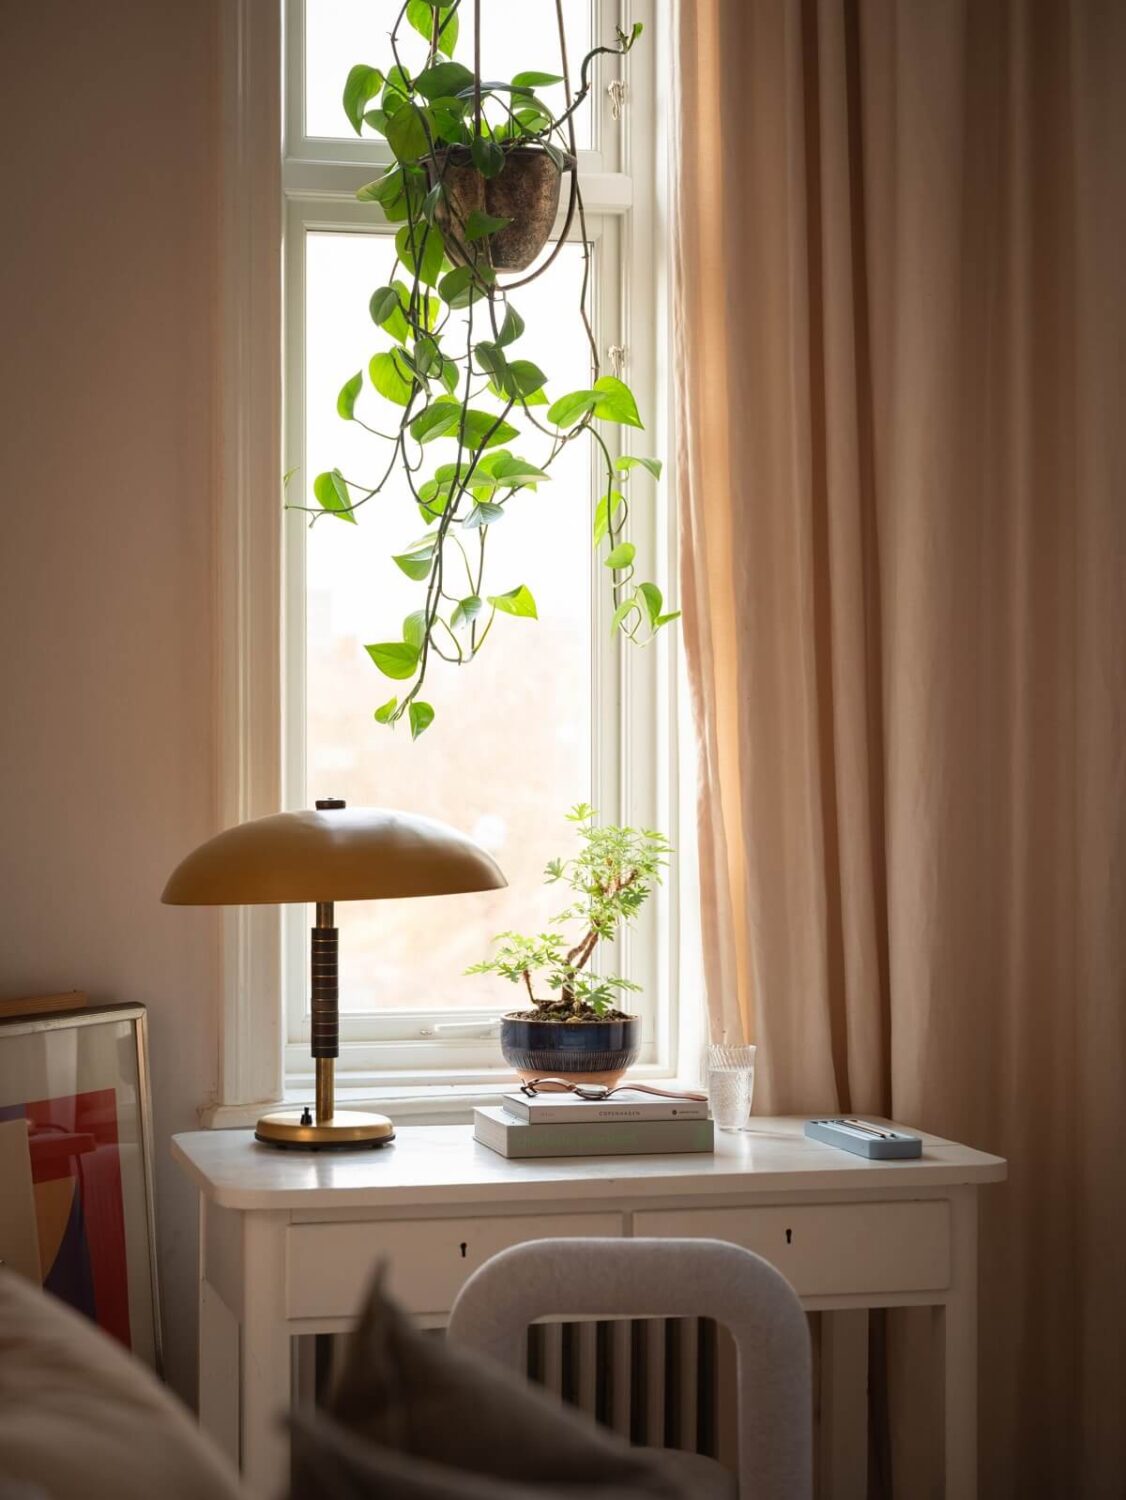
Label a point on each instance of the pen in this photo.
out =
(884, 1135)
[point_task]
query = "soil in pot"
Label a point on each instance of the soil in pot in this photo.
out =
(525, 191)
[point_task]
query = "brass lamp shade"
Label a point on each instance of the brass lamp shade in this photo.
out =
(332, 854)
(336, 853)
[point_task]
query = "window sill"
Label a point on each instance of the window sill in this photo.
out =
(413, 1104)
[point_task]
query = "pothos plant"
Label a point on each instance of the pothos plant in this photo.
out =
(611, 878)
(451, 375)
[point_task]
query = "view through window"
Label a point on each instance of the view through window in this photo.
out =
(553, 711)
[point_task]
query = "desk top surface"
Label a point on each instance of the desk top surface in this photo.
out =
(430, 1165)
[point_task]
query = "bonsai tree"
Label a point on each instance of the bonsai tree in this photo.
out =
(474, 185)
(611, 878)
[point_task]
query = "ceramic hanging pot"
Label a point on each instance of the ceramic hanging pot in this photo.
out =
(525, 192)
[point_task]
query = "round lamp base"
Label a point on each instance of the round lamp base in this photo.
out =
(349, 1130)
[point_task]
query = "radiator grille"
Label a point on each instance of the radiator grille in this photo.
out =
(654, 1381)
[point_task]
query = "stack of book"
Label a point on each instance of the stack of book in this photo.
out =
(564, 1125)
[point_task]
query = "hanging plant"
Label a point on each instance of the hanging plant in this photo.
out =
(475, 186)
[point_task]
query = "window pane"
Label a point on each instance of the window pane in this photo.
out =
(517, 36)
(510, 749)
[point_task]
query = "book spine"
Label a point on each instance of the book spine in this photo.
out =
(608, 1114)
(633, 1138)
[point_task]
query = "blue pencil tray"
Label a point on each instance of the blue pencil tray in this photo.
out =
(895, 1146)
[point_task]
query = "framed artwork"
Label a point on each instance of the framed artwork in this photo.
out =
(80, 1081)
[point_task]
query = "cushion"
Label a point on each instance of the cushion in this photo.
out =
(81, 1418)
(413, 1417)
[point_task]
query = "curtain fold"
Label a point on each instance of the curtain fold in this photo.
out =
(901, 342)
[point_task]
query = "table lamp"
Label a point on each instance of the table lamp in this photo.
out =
(333, 854)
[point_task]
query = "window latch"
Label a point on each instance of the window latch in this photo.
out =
(462, 1029)
(616, 90)
(617, 357)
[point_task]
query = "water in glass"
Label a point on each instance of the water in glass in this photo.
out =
(731, 1082)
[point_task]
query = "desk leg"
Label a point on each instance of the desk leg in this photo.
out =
(844, 1405)
(266, 1374)
(960, 1350)
(218, 1372)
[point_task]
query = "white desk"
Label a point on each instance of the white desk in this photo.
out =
(288, 1241)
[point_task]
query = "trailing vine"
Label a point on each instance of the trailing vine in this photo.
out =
(451, 371)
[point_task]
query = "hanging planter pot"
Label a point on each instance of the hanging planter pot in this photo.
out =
(525, 192)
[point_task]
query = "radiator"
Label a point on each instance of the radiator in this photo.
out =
(663, 1382)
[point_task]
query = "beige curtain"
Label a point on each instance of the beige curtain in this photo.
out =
(901, 347)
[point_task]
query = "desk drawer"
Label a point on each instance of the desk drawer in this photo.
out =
(328, 1266)
(826, 1250)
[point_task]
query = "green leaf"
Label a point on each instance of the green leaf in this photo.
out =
(487, 156)
(456, 287)
(443, 78)
(398, 89)
(421, 250)
(654, 465)
(407, 132)
(621, 556)
(398, 191)
(666, 619)
(448, 116)
(416, 564)
(572, 408)
(430, 202)
(420, 14)
(511, 328)
(478, 225)
(421, 717)
(510, 471)
(394, 658)
(484, 513)
(385, 710)
(615, 402)
(436, 420)
(492, 361)
(483, 430)
(653, 600)
(602, 514)
(346, 401)
(450, 375)
(535, 80)
(384, 304)
(626, 608)
(517, 601)
(414, 629)
(466, 610)
(392, 377)
(526, 378)
(384, 189)
(362, 85)
(332, 495)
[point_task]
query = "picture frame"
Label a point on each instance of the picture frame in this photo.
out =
(80, 1080)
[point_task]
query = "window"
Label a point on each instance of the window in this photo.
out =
(553, 712)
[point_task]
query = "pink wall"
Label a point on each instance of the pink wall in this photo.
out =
(107, 387)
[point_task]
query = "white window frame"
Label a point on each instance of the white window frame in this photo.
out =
(264, 1051)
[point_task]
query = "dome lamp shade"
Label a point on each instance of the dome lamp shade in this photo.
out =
(332, 853)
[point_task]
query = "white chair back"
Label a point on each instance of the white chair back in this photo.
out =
(679, 1278)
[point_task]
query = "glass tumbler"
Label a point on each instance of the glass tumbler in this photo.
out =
(731, 1084)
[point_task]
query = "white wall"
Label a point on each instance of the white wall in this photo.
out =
(108, 114)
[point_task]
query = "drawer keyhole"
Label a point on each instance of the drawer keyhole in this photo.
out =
(789, 1236)
(463, 1247)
